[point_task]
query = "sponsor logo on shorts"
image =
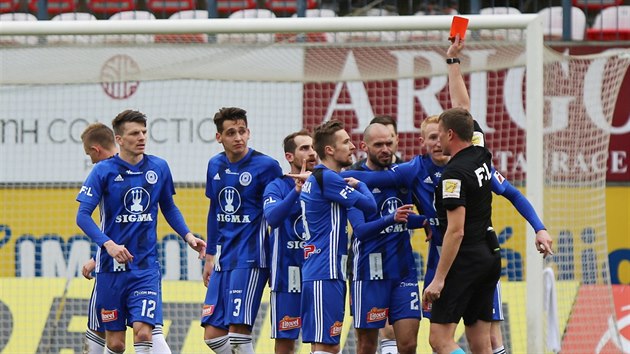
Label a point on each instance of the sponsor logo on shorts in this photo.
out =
(144, 293)
(109, 315)
(207, 310)
(288, 323)
(376, 315)
(335, 329)
(404, 284)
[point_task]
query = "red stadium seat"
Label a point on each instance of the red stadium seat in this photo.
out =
(612, 23)
(226, 7)
(110, 6)
(288, 6)
(170, 6)
(9, 5)
(55, 6)
(596, 4)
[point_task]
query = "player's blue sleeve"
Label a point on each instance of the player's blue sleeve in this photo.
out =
(173, 216)
(87, 224)
(523, 205)
(276, 209)
(336, 189)
(366, 202)
(380, 179)
(416, 221)
(366, 231)
(212, 229)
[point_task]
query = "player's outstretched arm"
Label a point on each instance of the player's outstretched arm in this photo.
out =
(503, 187)
(365, 200)
(276, 207)
(366, 231)
(456, 85)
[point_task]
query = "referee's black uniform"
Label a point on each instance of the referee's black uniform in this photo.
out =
(471, 281)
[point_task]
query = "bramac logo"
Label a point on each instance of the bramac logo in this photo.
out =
(207, 310)
(114, 77)
(335, 329)
(109, 315)
(376, 315)
(136, 202)
(288, 323)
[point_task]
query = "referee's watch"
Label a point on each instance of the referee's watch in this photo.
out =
(450, 61)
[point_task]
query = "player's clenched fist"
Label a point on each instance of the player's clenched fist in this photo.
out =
(118, 252)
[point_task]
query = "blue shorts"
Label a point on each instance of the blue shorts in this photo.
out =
(94, 319)
(285, 315)
(375, 301)
(128, 297)
(233, 297)
(323, 308)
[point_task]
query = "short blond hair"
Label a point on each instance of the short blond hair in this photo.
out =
(428, 120)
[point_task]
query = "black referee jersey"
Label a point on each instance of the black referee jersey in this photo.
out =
(466, 182)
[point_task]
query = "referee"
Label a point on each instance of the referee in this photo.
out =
(470, 264)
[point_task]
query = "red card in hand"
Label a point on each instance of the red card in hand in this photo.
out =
(458, 26)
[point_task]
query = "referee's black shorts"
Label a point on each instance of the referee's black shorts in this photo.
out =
(469, 287)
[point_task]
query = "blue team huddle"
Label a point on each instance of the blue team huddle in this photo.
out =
(311, 234)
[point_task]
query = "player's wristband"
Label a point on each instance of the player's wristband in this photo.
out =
(450, 61)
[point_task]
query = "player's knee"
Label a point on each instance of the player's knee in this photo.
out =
(115, 347)
(438, 343)
(143, 335)
(407, 345)
(479, 344)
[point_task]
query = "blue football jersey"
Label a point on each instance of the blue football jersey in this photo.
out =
(387, 255)
(324, 199)
(287, 237)
(235, 190)
(128, 196)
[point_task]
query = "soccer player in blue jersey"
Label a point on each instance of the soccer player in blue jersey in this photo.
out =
(284, 215)
(385, 281)
(129, 189)
(237, 264)
(325, 198)
(99, 144)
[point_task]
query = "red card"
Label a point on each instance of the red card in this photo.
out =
(458, 26)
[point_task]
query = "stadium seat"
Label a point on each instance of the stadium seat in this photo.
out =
(248, 37)
(9, 5)
(288, 6)
(55, 6)
(170, 6)
(552, 22)
(185, 38)
(373, 36)
(310, 37)
(500, 34)
(18, 16)
(131, 38)
(74, 16)
(110, 6)
(227, 7)
(596, 4)
(612, 23)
